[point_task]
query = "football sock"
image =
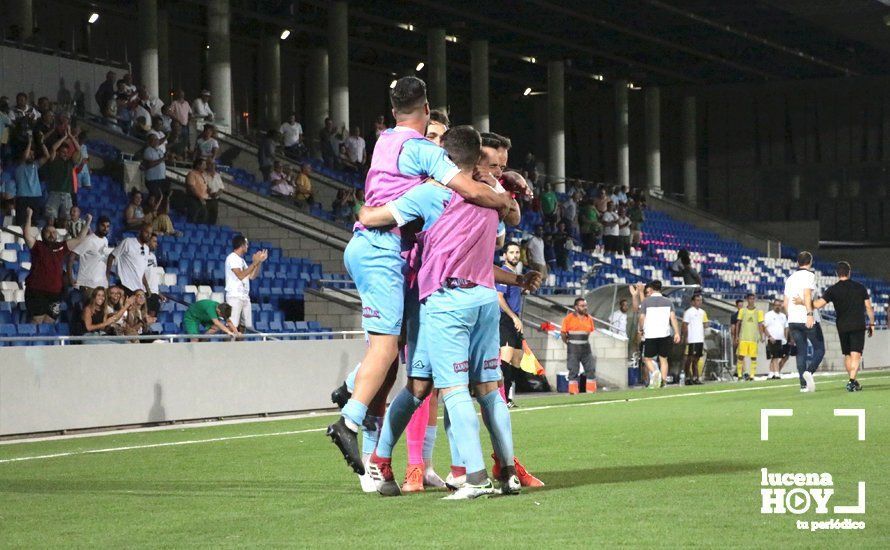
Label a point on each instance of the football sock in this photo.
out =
(503, 393)
(739, 367)
(456, 460)
(370, 437)
(429, 443)
(497, 419)
(350, 379)
(354, 412)
(397, 417)
(416, 431)
(465, 427)
(753, 368)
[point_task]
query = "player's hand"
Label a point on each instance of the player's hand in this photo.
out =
(29, 212)
(810, 321)
(89, 219)
(516, 184)
(798, 300)
(676, 338)
(871, 330)
(531, 281)
(517, 324)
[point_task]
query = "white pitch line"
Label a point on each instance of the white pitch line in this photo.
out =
(311, 430)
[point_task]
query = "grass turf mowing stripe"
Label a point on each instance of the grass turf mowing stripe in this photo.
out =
(311, 430)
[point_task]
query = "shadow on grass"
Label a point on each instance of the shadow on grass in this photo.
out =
(622, 474)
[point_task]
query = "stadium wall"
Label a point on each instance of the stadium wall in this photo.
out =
(53, 388)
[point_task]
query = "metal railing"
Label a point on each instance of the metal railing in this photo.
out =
(173, 338)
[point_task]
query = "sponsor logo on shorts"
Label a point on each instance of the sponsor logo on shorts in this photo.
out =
(491, 364)
(370, 313)
(417, 365)
(463, 366)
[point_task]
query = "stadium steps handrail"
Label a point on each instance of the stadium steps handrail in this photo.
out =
(338, 296)
(173, 338)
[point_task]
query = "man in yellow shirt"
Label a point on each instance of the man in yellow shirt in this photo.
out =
(751, 332)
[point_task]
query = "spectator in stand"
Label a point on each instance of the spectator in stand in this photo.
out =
(342, 205)
(180, 111)
(601, 202)
(84, 176)
(618, 318)
(134, 216)
(610, 228)
(355, 149)
(530, 168)
(682, 267)
(535, 252)
(59, 175)
(211, 316)
(570, 212)
(74, 224)
(206, 146)
(147, 106)
(136, 321)
(131, 256)
(177, 142)
(549, 204)
(157, 129)
(92, 253)
(28, 193)
(238, 277)
(325, 143)
(155, 168)
(304, 185)
(97, 317)
(127, 79)
(358, 202)
(562, 245)
(623, 231)
(44, 128)
(140, 128)
(282, 185)
(201, 110)
(590, 226)
(43, 287)
(196, 192)
(635, 213)
(292, 137)
(266, 154)
(153, 280)
(23, 111)
(157, 213)
(121, 107)
(215, 189)
(105, 91)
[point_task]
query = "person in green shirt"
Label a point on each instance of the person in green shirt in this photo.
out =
(59, 175)
(211, 315)
(635, 213)
(548, 203)
(590, 226)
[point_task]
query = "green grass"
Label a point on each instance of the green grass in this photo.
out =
(670, 472)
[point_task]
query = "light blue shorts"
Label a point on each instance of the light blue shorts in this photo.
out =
(418, 364)
(463, 345)
(379, 278)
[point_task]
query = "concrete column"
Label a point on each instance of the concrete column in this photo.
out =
(622, 164)
(271, 80)
(479, 84)
(317, 99)
(653, 139)
(435, 61)
(690, 169)
(556, 123)
(338, 49)
(22, 15)
(220, 62)
(164, 84)
(795, 187)
(148, 46)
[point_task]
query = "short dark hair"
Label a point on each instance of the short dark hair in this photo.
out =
(490, 139)
(103, 219)
(654, 285)
(804, 258)
(843, 269)
(511, 243)
(622, 301)
(580, 299)
(463, 145)
(238, 241)
(440, 116)
(750, 295)
(225, 310)
(408, 95)
(739, 301)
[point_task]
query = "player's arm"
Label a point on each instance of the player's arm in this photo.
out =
(808, 303)
(84, 231)
(30, 239)
(870, 311)
(415, 204)
(818, 303)
(376, 216)
(675, 327)
(517, 322)
(685, 333)
(530, 281)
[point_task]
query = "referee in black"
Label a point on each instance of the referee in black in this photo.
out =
(851, 304)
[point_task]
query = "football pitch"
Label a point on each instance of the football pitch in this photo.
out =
(677, 467)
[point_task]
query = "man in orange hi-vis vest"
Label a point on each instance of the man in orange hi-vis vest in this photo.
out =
(576, 329)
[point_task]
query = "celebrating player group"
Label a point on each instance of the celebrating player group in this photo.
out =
(436, 202)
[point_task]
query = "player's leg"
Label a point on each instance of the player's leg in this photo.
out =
(458, 474)
(573, 363)
(698, 365)
(430, 477)
(798, 335)
(379, 279)
(588, 361)
(855, 345)
(753, 352)
(817, 341)
(415, 433)
(650, 354)
(740, 361)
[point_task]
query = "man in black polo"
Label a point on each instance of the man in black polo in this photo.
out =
(851, 304)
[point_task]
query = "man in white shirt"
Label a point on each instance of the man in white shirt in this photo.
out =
(694, 321)
(202, 111)
(291, 134)
(803, 326)
(657, 319)
(132, 260)
(355, 148)
(610, 228)
(238, 276)
(618, 319)
(777, 347)
(623, 231)
(93, 255)
(153, 280)
(535, 252)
